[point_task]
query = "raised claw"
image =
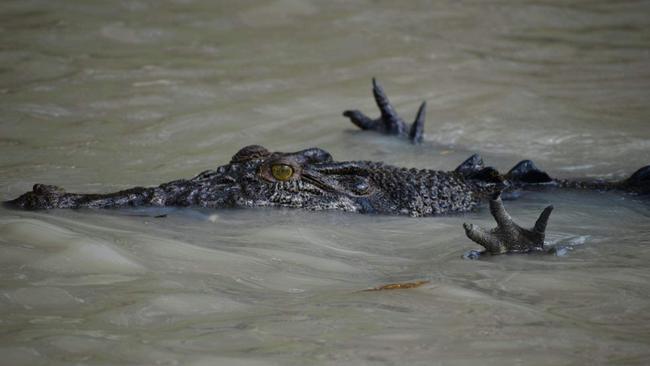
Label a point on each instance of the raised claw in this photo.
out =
(508, 237)
(416, 132)
(360, 120)
(389, 122)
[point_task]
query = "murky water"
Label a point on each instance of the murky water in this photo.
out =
(97, 96)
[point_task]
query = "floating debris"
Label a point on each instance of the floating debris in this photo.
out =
(398, 286)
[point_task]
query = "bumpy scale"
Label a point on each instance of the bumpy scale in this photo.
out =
(310, 179)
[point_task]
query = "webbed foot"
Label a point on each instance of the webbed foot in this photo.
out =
(508, 237)
(389, 122)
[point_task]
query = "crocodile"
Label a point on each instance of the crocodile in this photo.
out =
(311, 179)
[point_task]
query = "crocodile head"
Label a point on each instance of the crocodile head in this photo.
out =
(307, 179)
(311, 179)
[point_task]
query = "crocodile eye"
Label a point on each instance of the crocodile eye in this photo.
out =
(281, 171)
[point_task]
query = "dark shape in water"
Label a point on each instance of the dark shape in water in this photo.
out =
(508, 237)
(389, 122)
(310, 179)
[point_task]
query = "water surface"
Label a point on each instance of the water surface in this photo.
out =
(97, 96)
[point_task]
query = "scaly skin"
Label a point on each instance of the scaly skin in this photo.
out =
(310, 179)
(507, 237)
(316, 183)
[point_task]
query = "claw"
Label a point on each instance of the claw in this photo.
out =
(483, 238)
(499, 213)
(508, 237)
(389, 122)
(392, 122)
(360, 120)
(417, 128)
(542, 221)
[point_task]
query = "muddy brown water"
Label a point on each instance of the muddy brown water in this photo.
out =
(97, 96)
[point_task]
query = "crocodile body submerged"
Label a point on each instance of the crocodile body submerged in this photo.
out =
(307, 179)
(311, 179)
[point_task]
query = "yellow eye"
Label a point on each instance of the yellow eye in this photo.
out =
(281, 171)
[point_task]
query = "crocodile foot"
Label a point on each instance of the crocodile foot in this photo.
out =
(389, 122)
(508, 237)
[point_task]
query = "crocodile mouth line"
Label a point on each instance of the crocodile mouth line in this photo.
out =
(323, 182)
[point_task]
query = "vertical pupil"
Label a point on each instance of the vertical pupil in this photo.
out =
(282, 171)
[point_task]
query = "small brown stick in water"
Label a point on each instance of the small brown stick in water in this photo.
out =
(398, 286)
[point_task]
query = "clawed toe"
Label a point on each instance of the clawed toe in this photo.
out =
(360, 120)
(389, 122)
(508, 237)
